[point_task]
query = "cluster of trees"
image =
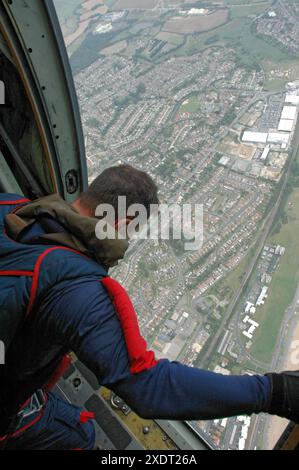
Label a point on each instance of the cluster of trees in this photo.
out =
(228, 118)
(133, 97)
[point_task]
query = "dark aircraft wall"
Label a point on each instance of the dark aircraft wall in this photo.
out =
(18, 121)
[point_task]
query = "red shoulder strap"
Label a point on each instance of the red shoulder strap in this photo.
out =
(36, 273)
(140, 358)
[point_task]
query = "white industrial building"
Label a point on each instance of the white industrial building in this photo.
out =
(265, 153)
(198, 11)
(258, 137)
(248, 306)
(246, 420)
(224, 160)
(253, 326)
(286, 125)
(292, 99)
(289, 112)
(278, 138)
(264, 137)
(262, 296)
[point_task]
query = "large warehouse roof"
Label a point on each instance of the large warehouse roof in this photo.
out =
(289, 112)
(260, 137)
(286, 125)
(278, 138)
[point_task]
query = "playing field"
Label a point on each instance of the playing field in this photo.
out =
(196, 24)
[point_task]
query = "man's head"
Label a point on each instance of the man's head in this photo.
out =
(123, 180)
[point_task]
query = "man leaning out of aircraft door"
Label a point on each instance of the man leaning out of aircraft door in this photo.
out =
(56, 288)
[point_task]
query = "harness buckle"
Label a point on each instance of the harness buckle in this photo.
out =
(36, 404)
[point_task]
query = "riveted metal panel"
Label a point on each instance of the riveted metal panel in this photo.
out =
(32, 31)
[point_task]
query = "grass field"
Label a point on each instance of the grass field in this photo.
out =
(284, 282)
(248, 9)
(115, 48)
(250, 49)
(66, 10)
(231, 283)
(196, 24)
(280, 73)
(191, 105)
(282, 288)
(172, 38)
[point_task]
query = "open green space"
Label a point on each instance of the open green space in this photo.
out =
(286, 278)
(227, 287)
(282, 287)
(191, 104)
(66, 11)
(238, 34)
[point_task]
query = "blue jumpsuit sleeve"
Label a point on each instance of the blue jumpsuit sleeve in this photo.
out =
(82, 314)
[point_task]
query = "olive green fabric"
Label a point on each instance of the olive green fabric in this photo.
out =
(80, 230)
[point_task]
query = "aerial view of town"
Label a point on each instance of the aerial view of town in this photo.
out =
(203, 95)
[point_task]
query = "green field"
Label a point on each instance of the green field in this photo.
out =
(246, 10)
(285, 279)
(172, 38)
(191, 105)
(227, 287)
(289, 68)
(66, 11)
(237, 34)
(282, 288)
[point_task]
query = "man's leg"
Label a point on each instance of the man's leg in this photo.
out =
(58, 429)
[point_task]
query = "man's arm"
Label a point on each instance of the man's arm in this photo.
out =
(171, 390)
(82, 315)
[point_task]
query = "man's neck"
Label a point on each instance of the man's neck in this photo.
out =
(82, 210)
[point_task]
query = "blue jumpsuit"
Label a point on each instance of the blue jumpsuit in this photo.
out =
(78, 315)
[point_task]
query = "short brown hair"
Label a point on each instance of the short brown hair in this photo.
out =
(122, 180)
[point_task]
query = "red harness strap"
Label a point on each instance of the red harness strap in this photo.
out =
(37, 268)
(16, 273)
(140, 358)
(66, 360)
(13, 203)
